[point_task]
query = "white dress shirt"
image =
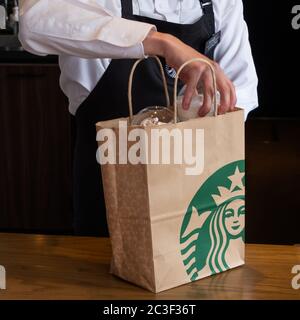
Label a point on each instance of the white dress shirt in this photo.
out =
(87, 34)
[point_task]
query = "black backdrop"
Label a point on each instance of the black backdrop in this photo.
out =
(273, 130)
(275, 46)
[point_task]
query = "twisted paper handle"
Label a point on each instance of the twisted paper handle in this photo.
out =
(131, 80)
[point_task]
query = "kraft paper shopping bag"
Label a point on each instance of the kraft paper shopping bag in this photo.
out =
(174, 223)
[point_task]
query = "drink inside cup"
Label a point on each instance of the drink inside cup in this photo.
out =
(158, 115)
(193, 111)
(153, 116)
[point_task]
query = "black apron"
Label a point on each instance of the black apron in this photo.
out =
(109, 100)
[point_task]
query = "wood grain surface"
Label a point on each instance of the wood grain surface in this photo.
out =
(66, 267)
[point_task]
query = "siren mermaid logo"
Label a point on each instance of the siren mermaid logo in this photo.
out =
(212, 232)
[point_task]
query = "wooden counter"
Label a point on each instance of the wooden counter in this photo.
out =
(66, 267)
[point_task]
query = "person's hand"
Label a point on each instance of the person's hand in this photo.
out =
(176, 53)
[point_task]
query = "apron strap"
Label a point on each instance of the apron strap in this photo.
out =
(208, 10)
(207, 6)
(127, 9)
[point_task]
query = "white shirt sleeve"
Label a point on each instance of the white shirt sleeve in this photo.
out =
(80, 28)
(234, 52)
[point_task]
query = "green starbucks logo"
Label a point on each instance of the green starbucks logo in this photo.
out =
(212, 230)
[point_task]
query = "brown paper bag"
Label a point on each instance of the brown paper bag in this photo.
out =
(171, 224)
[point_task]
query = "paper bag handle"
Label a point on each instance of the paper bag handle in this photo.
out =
(214, 85)
(131, 80)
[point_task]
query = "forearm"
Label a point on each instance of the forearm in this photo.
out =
(156, 43)
(171, 48)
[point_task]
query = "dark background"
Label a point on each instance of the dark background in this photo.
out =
(37, 136)
(276, 52)
(273, 130)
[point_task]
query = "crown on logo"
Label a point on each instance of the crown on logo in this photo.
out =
(236, 189)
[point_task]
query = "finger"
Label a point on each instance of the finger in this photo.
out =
(208, 93)
(225, 103)
(191, 89)
(233, 97)
(191, 78)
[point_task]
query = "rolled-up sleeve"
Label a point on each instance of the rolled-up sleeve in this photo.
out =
(234, 53)
(84, 29)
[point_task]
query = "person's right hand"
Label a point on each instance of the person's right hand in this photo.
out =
(176, 53)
